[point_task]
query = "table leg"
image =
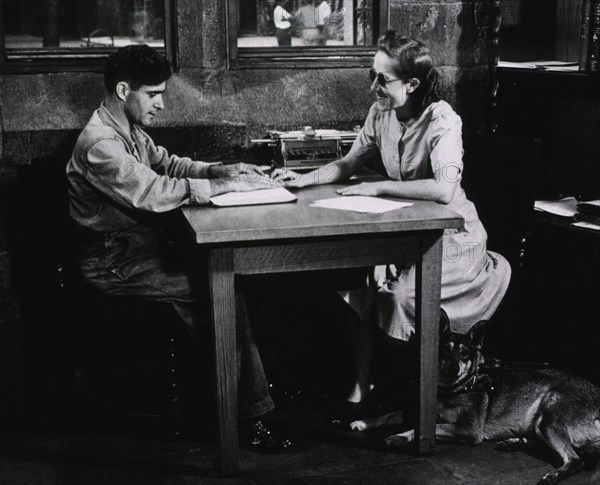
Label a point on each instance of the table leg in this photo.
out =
(222, 299)
(427, 312)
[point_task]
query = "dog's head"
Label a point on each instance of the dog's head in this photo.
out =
(460, 354)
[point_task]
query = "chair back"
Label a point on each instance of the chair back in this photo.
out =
(500, 177)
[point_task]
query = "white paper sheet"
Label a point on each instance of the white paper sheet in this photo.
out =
(566, 207)
(360, 203)
(253, 197)
(586, 225)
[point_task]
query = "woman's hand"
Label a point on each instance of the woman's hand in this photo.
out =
(364, 188)
(235, 170)
(288, 177)
(253, 182)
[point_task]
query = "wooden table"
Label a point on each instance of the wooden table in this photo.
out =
(297, 237)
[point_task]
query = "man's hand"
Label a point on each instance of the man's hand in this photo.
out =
(365, 188)
(288, 177)
(235, 170)
(244, 183)
(253, 182)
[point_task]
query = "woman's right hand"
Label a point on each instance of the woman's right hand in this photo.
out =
(288, 177)
(254, 182)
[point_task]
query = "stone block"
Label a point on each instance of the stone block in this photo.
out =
(458, 33)
(20, 147)
(469, 90)
(204, 142)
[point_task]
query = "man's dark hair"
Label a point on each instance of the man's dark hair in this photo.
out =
(138, 65)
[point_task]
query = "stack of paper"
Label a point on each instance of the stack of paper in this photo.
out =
(583, 212)
(264, 196)
(566, 207)
(360, 203)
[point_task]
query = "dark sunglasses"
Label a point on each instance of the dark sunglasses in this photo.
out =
(381, 80)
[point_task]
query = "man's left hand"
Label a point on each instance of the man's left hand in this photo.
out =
(235, 170)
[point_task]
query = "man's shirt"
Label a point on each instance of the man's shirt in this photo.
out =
(114, 176)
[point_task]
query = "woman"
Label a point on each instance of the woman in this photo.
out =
(418, 138)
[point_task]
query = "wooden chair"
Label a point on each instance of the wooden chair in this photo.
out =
(500, 177)
(119, 361)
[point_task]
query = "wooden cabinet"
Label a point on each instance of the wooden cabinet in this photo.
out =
(562, 109)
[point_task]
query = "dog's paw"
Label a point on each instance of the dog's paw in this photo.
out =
(358, 425)
(550, 477)
(512, 444)
(400, 439)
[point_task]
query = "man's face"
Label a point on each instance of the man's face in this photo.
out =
(143, 104)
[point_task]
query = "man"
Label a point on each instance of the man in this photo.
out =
(119, 182)
(282, 19)
(308, 16)
(323, 13)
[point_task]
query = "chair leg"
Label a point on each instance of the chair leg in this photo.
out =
(174, 411)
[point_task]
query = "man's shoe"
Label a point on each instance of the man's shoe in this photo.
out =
(255, 436)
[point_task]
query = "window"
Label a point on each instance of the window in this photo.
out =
(319, 32)
(60, 35)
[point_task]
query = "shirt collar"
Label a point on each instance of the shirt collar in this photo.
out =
(108, 119)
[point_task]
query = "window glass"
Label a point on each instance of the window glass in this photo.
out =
(305, 23)
(51, 24)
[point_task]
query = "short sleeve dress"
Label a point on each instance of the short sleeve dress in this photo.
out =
(474, 280)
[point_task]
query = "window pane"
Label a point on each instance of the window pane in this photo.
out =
(266, 23)
(83, 23)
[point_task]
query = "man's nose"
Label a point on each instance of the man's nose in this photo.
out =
(160, 104)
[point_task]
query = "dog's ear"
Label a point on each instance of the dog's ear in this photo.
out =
(444, 326)
(477, 333)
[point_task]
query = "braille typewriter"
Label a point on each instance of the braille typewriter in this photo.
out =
(307, 148)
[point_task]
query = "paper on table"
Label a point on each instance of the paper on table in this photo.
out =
(566, 207)
(586, 225)
(360, 203)
(253, 197)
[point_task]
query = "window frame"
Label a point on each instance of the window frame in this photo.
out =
(298, 57)
(68, 59)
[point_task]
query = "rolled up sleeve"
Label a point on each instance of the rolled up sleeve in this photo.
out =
(119, 175)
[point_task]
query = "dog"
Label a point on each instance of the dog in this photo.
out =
(482, 400)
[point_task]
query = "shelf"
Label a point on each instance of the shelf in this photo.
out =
(563, 223)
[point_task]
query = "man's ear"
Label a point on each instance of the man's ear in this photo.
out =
(413, 84)
(122, 89)
(477, 333)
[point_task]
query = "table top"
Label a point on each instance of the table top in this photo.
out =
(217, 225)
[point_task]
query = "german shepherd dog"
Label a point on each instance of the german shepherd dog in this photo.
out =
(478, 401)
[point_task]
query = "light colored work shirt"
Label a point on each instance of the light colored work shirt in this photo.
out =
(323, 12)
(281, 18)
(114, 175)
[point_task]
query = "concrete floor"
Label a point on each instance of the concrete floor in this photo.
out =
(53, 458)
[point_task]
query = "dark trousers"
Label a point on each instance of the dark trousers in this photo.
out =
(137, 262)
(284, 37)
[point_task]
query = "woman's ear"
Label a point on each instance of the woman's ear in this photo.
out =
(413, 84)
(122, 89)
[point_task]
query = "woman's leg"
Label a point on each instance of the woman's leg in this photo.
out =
(361, 337)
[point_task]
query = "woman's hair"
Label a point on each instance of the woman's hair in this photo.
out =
(138, 65)
(412, 60)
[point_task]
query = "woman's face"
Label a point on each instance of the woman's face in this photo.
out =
(394, 93)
